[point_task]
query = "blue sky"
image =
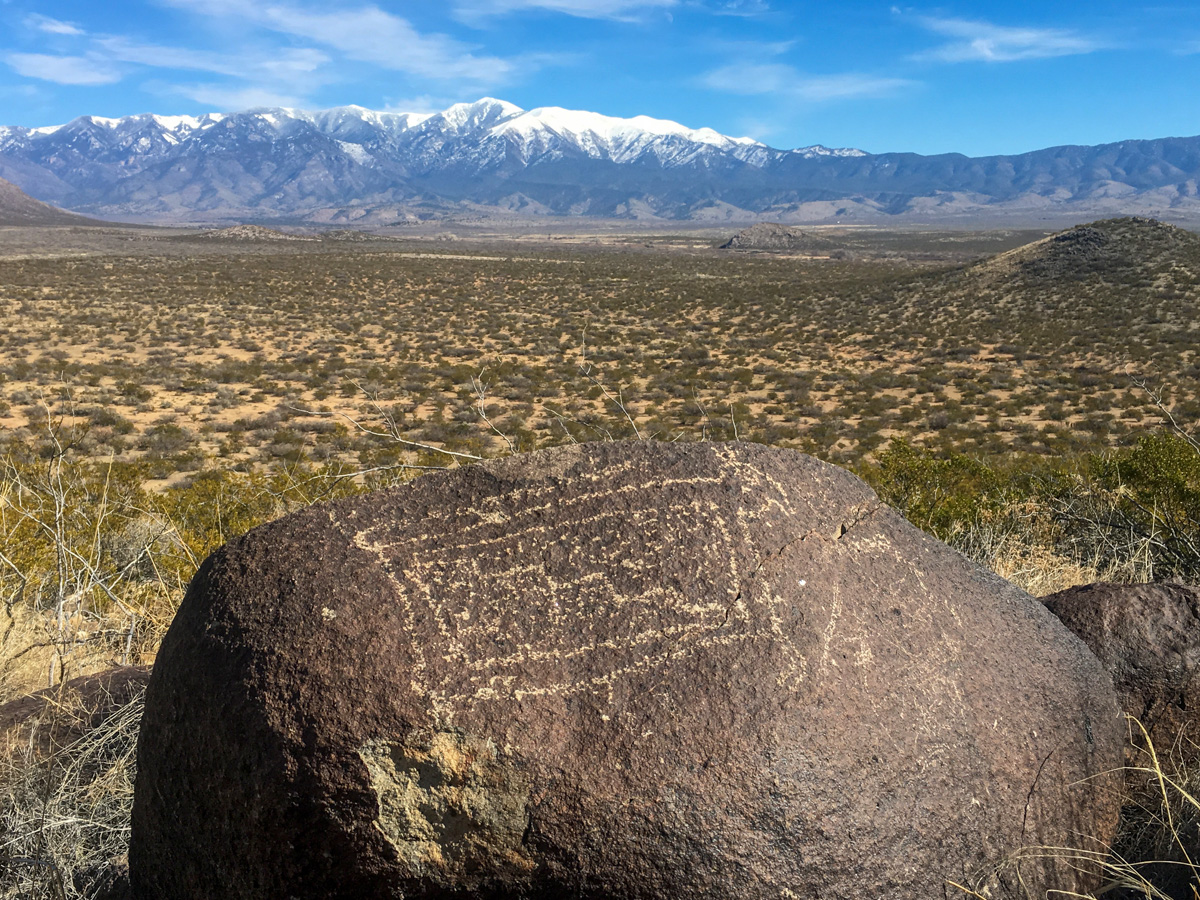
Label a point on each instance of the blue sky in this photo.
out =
(972, 77)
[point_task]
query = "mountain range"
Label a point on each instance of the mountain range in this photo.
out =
(488, 158)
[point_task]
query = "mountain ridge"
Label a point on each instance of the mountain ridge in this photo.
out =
(353, 165)
(19, 209)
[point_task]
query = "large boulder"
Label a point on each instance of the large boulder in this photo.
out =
(613, 671)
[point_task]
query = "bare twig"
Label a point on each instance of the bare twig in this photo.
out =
(480, 387)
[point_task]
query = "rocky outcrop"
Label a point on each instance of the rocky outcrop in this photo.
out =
(620, 671)
(250, 233)
(771, 236)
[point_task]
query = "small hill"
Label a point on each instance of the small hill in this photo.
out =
(18, 208)
(780, 238)
(250, 233)
(1125, 291)
(1125, 251)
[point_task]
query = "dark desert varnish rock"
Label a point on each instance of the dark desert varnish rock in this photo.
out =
(613, 671)
(1148, 637)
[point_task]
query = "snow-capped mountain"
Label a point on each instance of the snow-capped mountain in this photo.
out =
(354, 164)
(330, 163)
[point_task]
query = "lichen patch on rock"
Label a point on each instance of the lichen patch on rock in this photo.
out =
(452, 806)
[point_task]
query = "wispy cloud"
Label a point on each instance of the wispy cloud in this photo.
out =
(228, 97)
(745, 8)
(587, 9)
(367, 34)
(291, 62)
(52, 26)
(77, 70)
(781, 79)
(984, 42)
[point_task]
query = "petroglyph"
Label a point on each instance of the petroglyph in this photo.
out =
(492, 599)
(490, 595)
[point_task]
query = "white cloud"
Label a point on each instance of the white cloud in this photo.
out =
(367, 34)
(780, 79)
(585, 9)
(985, 42)
(282, 64)
(52, 26)
(235, 98)
(81, 70)
(125, 50)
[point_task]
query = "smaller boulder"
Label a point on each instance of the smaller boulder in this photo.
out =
(56, 717)
(1148, 637)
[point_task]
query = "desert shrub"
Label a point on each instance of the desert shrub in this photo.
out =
(1140, 505)
(941, 495)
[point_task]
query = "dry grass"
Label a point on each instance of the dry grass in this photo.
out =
(66, 790)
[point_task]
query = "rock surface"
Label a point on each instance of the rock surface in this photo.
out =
(612, 671)
(56, 717)
(1148, 637)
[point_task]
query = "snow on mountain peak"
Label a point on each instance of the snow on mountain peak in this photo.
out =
(566, 122)
(484, 109)
(818, 150)
(186, 123)
(484, 131)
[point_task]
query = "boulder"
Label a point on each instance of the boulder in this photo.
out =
(43, 723)
(65, 754)
(1148, 637)
(613, 671)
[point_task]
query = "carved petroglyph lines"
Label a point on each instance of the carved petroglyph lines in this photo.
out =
(777, 498)
(613, 676)
(827, 636)
(556, 611)
(525, 502)
(488, 584)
